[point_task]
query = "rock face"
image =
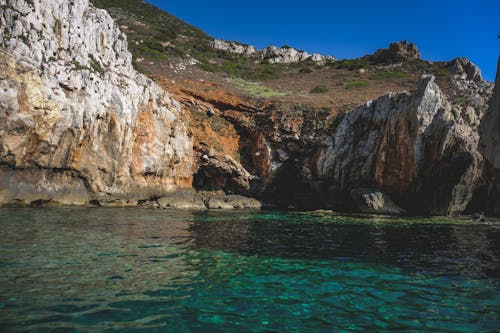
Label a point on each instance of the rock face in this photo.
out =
(490, 147)
(411, 146)
(77, 122)
(465, 69)
(233, 47)
(222, 173)
(273, 54)
(397, 52)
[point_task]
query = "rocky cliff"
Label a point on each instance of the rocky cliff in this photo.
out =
(77, 122)
(490, 147)
(413, 146)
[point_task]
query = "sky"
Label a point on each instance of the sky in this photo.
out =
(442, 30)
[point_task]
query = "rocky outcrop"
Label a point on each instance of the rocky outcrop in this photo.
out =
(411, 146)
(273, 54)
(190, 199)
(373, 201)
(490, 148)
(397, 52)
(218, 172)
(233, 47)
(465, 69)
(77, 122)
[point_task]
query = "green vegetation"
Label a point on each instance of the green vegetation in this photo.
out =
(218, 123)
(78, 66)
(356, 84)
(238, 66)
(256, 89)
(350, 64)
(441, 72)
(319, 89)
(154, 34)
(388, 75)
(95, 65)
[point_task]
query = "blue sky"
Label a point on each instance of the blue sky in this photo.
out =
(442, 30)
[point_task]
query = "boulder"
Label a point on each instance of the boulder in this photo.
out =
(217, 172)
(374, 201)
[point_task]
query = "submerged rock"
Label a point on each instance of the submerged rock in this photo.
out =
(75, 117)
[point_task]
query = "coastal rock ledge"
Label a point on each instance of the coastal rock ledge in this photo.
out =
(77, 123)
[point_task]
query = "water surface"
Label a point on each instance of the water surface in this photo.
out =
(132, 270)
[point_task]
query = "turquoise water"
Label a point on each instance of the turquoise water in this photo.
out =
(131, 270)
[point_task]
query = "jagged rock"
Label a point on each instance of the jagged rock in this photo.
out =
(374, 201)
(465, 69)
(273, 54)
(490, 148)
(408, 145)
(217, 172)
(233, 47)
(397, 52)
(183, 199)
(283, 55)
(72, 105)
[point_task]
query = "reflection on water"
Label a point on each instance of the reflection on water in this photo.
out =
(87, 269)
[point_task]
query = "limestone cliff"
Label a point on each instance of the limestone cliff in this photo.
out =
(413, 146)
(77, 122)
(490, 147)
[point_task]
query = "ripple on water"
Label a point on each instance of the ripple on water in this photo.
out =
(122, 270)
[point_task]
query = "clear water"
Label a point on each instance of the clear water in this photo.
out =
(131, 270)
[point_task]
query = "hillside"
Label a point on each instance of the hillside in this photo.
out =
(272, 110)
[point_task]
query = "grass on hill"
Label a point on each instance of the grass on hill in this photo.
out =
(255, 89)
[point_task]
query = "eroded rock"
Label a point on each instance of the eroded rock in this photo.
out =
(409, 145)
(72, 102)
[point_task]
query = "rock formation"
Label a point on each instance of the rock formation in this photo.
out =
(273, 54)
(373, 201)
(77, 122)
(233, 47)
(465, 69)
(490, 148)
(411, 146)
(397, 52)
